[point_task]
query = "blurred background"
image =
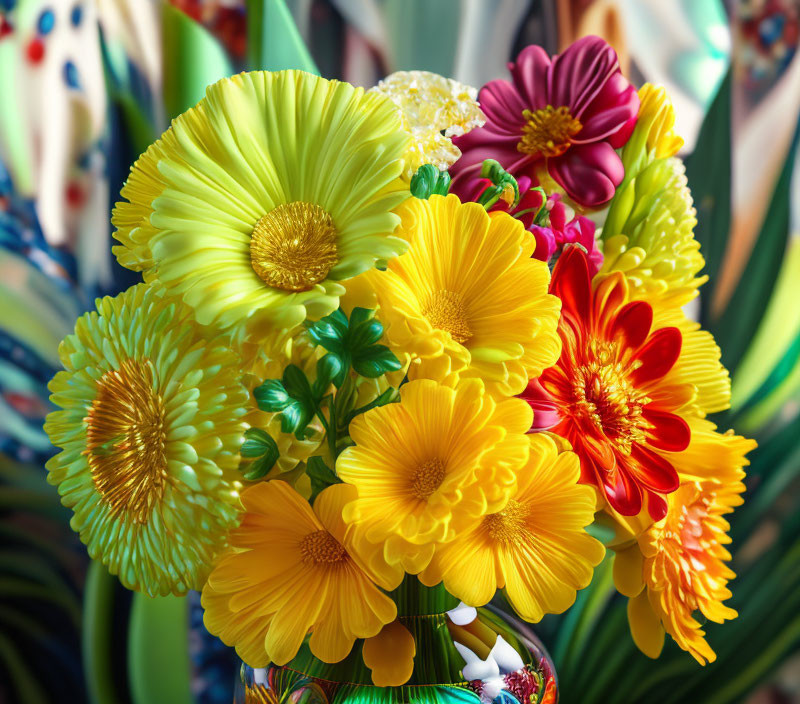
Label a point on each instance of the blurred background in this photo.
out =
(86, 85)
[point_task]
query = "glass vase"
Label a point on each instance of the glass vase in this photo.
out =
(463, 656)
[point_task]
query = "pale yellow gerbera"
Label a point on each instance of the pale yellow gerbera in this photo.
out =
(433, 109)
(431, 465)
(150, 427)
(649, 230)
(467, 299)
(263, 196)
(290, 570)
(536, 547)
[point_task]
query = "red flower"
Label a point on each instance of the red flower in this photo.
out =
(568, 115)
(616, 408)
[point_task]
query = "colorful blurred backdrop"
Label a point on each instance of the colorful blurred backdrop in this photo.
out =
(86, 85)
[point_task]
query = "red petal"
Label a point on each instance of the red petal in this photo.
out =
(572, 284)
(658, 355)
(670, 432)
(653, 471)
(656, 505)
(624, 495)
(633, 323)
(609, 295)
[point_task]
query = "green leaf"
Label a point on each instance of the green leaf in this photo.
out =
(501, 180)
(273, 42)
(256, 443)
(376, 360)
(364, 335)
(329, 370)
(271, 396)
(295, 417)
(296, 383)
(390, 395)
(320, 474)
(260, 467)
(330, 331)
(428, 181)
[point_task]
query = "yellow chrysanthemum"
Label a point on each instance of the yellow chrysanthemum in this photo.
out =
(150, 429)
(467, 299)
(433, 109)
(649, 229)
(291, 569)
(536, 547)
(431, 465)
(263, 196)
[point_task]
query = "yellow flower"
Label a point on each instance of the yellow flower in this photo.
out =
(390, 655)
(536, 547)
(291, 569)
(676, 566)
(150, 429)
(431, 465)
(433, 109)
(466, 300)
(649, 229)
(263, 196)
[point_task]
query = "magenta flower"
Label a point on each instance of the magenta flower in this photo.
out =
(551, 240)
(567, 116)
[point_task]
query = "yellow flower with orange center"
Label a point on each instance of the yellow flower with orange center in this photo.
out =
(290, 570)
(536, 547)
(432, 465)
(467, 299)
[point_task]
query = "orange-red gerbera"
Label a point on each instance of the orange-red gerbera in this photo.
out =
(618, 404)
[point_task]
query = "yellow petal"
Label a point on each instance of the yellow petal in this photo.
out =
(390, 655)
(628, 571)
(646, 628)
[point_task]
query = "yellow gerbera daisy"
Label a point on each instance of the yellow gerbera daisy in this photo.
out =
(270, 190)
(150, 429)
(291, 569)
(536, 547)
(431, 465)
(649, 230)
(433, 109)
(467, 299)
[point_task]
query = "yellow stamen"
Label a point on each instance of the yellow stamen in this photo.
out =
(322, 547)
(445, 310)
(125, 440)
(547, 131)
(508, 525)
(427, 478)
(293, 246)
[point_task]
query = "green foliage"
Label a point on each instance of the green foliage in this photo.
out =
(428, 181)
(259, 445)
(501, 182)
(321, 476)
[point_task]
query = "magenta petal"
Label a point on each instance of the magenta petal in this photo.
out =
(545, 243)
(503, 105)
(578, 74)
(610, 111)
(589, 173)
(476, 146)
(529, 73)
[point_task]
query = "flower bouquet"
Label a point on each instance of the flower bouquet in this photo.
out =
(399, 355)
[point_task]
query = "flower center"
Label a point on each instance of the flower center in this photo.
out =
(428, 477)
(293, 246)
(547, 131)
(321, 547)
(506, 526)
(604, 395)
(125, 440)
(445, 310)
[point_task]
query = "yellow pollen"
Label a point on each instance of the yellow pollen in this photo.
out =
(293, 246)
(547, 131)
(427, 478)
(507, 526)
(604, 395)
(320, 547)
(125, 440)
(445, 310)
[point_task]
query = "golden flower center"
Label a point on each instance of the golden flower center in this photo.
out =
(125, 440)
(604, 395)
(507, 525)
(427, 478)
(322, 547)
(445, 310)
(293, 246)
(547, 131)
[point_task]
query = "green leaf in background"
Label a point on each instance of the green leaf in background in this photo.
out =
(260, 445)
(329, 370)
(321, 475)
(708, 171)
(375, 360)
(271, 396)
(193, 60)
(292, 397)
(428, 181)
(273, 42)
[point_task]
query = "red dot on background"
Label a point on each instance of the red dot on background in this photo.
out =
(5, 27)
(35, 50)
(74, 194)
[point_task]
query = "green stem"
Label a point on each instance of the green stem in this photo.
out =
(415, 599)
